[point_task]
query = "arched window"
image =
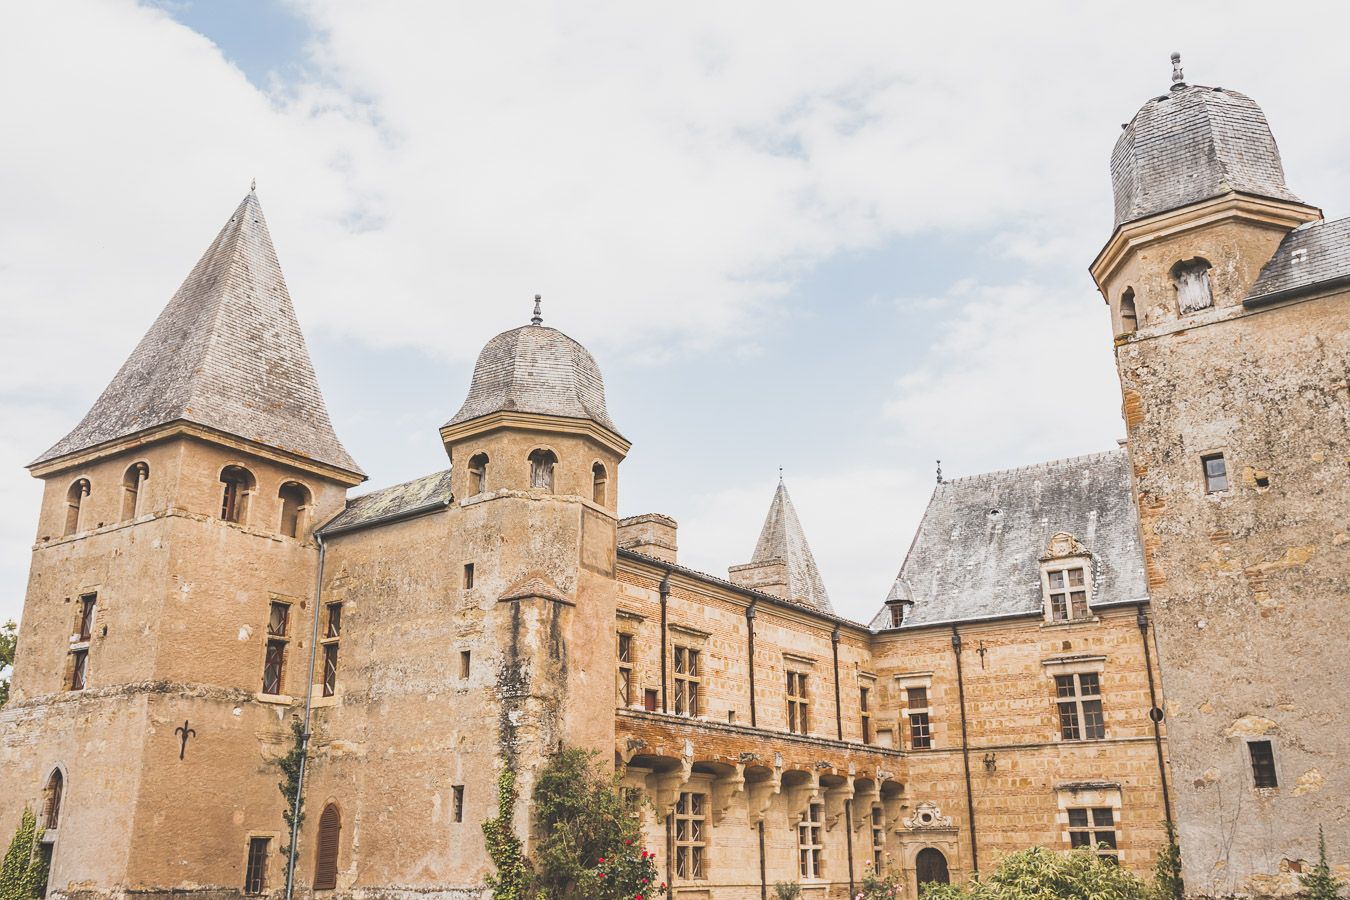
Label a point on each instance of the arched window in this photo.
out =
(75, 505)
(51, 800)
(541, 469)
(930, 867)
(132, 482)
(294, 507)
(1129, 319)
(238, 487)
(1191, 279)
(599, 483)
(326, 855)
(478, 474)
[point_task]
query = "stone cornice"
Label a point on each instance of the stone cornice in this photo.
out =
(1131, 236)
(536, 422)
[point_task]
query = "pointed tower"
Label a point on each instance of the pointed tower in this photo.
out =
(782, 564)
(163, 643)
(1232, 337)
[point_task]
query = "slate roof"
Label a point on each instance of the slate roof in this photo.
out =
(393, 501)
(1192, 144)
(977, 551)
(536, 369)
(226, 353)
(1309, 255)
(782, 538)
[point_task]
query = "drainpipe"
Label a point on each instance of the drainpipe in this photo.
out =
(838, 707)
(750, 651)
(848, 833)
(1155, 711)
(763, 871)
(305, 732)
(965, 753)
(665, 595)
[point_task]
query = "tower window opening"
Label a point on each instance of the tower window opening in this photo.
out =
(542, 463)
(1191, 279)
(237, 485)
(132, 483)
(1129, 318)
(75, 505)
(599, 483)
(1263, 764)
(1216, 473)
(278, 636)
(478, 474)
(51, 800)
(294, 505)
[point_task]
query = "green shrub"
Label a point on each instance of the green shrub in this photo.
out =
(787, 890)
(1167, 883)
(1320, 884)
(23, 872)
(1040, 874)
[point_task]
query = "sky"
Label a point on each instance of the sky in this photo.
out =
(847, 239)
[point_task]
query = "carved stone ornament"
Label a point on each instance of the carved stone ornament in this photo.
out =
(927, 815)
(1063, 546)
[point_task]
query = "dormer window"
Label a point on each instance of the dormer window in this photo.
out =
(541, 469)
(478, 474)
(1066, 579)
(1191, 280)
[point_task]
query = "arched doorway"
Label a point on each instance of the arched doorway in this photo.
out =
(930, 866)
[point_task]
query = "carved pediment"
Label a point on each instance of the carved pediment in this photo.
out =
(927, 815)
(1063, 546)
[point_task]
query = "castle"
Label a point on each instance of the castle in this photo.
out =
(1072, 654)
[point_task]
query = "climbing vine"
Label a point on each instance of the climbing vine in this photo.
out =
(513, 879)
(290, 786)
(23, 872)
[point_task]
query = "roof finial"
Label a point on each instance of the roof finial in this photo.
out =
(939, 474)
(253, 185)
(1178, 77)
(538, 317)
(780, 474)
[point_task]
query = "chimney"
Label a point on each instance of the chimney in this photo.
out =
(651, 534)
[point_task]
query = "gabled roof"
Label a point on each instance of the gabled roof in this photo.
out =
(227, 353)
(1311, 254)
(782, 538)
(393, 502)
(977, 552)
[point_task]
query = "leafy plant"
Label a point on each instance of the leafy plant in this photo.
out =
(513, 879)
(1320, 884)
(787, 890)
(582, 816)
(9, 639)
(290, 788)
(629, 874)
(23, 872)
(1167, 883)
(879, 886)
(1040, 874)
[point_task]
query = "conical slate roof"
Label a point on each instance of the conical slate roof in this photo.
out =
(226, 353)
(536, 369)
(1191, 144)
(782, 538)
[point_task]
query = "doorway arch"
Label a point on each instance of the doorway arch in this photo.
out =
(930, 867)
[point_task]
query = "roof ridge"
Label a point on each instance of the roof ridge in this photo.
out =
(1047, 464)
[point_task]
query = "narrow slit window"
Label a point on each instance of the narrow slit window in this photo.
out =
(878, 839)
(599, 483)
(465, 659)
(51, 806)
(457, 803)
(468, 576)
(1263, 764)
(332, 636)
(810, 844)
(625, 675)
(1129, 318)
(1216, 473)
(866, 714)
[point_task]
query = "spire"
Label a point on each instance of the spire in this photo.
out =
(782, 539)
(227, 353)
(538, 317)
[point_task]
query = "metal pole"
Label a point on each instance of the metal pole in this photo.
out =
(304, 732)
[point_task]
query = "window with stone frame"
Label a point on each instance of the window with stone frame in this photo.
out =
(691, 836)
(625, 673)
(920, 727)
(1068, 593)
(255, 867)
(1079, 700)
(332, 636)
(798, 715)
(1262, 755)
(810, 843)
(865, 713)
(1216, 473)
(79, 642)
(51, 801)
(1095, 828)
(278, 637)
(688, 681)
(878, 839)
(478, 466)
(237, 485)
(295, 502)
(75, 498)
(132, 483)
